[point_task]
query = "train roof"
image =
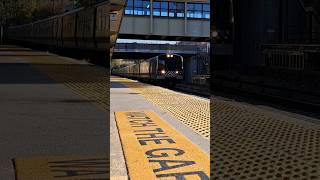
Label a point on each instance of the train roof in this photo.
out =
(60, 15)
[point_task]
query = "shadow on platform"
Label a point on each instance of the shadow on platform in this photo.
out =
(25, 73)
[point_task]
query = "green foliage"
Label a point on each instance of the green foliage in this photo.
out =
(16, 12)
(13, 12)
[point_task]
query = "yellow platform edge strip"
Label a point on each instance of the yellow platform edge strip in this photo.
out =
(155, 150)
(62, 167)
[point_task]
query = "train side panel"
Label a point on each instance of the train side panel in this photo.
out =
(144, 69)
(153, 68)
(69, 30)
(88, 34)
(36, 32)
(59, 33)
(85, 28)
(102, 33)
(55, 31)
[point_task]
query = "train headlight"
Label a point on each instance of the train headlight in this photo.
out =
(163, 72)
(169, 55)
(177, 72)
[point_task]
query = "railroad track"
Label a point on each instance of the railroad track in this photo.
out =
(286, 98)
(200, 90)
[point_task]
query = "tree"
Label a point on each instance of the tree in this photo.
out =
(16, 12)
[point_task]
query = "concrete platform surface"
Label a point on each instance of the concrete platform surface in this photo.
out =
(132, 97)
(40, 116)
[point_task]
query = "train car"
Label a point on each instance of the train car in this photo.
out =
(69, 30)
(166, 68)
(84, 31)
(102, 37)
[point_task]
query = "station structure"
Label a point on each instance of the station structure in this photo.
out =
(268, 49)
(167, 20)
(57, 112)
(173, 20)
(68, 129)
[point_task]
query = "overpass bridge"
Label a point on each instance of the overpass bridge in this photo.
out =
(179, 20)
(138, 50)
(86, 28)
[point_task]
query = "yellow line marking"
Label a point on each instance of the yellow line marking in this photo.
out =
(154, 150)
(66, 168)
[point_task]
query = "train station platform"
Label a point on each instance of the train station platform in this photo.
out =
(163, 133)
(56, 115)
(253, 140)
(53, 117)
(55, 123)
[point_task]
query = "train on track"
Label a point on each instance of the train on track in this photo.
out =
(84, 31)
(166, 68)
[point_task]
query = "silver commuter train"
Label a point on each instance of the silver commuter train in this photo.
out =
(81, 28)
(84, 31)
(166, 67)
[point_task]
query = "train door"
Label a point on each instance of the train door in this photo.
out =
(150, 69)
(153, 69)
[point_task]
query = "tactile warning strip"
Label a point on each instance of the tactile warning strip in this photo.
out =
(250, 143)
(192, 111)
(87, 80)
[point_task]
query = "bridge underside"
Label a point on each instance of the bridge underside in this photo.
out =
(166, 38)
(139, 55)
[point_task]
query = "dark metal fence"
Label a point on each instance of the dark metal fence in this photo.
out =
(293, 57)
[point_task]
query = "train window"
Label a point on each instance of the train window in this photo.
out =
(206, 11)
(156, 8)
(180, 9)
(138, 3)
(164, 8)
(167, 9)
(161, 64)
(170, 64)
(172, 9)
(129, 8)
(176, 9)
(193, 10)
(142, 7)
(146, 7)
(174, 64)
(138, 7)
(198, 10)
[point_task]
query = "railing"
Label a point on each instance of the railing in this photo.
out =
(201, 80)
(151, 48)
(292, 56)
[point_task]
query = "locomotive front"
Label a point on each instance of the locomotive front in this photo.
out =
(170, 67)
